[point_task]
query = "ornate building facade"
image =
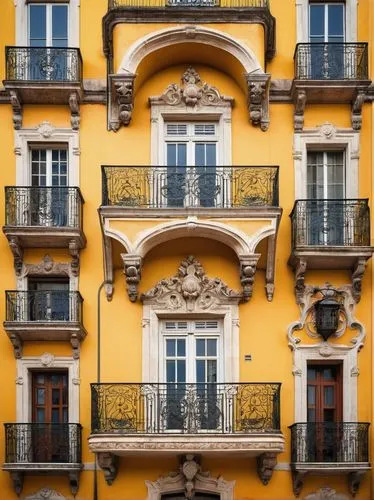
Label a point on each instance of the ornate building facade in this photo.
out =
(186, 252)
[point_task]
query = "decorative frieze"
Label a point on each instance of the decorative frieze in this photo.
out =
(121, 100)
(258, 99)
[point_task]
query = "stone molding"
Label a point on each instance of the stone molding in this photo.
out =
(45, 494)
(48, 267)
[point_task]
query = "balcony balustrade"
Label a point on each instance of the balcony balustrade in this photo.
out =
(328, 448)
(44, 217)
(40, 448)
(44, 315)
(190, 187)
(203, 418)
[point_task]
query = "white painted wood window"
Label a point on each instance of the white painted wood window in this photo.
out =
(326, 175)
(48, 25)
(49, 166)
(326, 22)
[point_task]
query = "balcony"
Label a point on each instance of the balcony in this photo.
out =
(328, 448)
(330, 73)
(331, 234)
(48, 449)
(210, 419)
(43, 217)
(252, 4)
(44, 75)
(54, 315)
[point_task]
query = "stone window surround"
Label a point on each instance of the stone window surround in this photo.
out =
(324, 138)
(59, 270)
(45, 133)
(21, 21)
(152, 317)
(46, 361)
(348, 357)
(302, 20)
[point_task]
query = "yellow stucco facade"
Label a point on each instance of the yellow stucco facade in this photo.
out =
(226, 240)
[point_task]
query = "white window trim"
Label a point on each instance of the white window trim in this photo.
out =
(22, 22)
(348, 357)
(324, 138)
(162, 113)
(152, 318)
(45, 133)
(46, 361)
(302, 20)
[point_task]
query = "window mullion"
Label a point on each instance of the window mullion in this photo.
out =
(49, 167)
(49, 25)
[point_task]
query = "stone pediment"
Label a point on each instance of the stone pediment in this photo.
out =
(191, 289)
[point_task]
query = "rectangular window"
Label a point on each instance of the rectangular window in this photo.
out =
(48, 25)
(48, 300)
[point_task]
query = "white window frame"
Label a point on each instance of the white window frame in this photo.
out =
(48, 6)
(26, 365)
(325, 167)
(190, 334)
(43, 135)
(302, 20)
(21, 7)
(48, 148)
(326, 25)
(324, 138)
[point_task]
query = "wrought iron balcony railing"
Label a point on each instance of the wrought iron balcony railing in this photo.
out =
(186, 408)
(43, 207)
(116, 4)
(43, 64)
(330, 223)
(345, 442)
(43, 443)
(43, 306)
(212, 187)
(331, 61)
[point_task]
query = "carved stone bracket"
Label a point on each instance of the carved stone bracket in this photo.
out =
(354, 481)
(17, 343)
(132, 269)
(298, 481)
(265, 466)
(270, 268)
(75, 261)
(298, 117)
(17, 109)
(121, 100)
(17, 251)
(300, 271)
(109, 463)
(258, 99)
(357, 275)
(74, 481)
(75, 345)
(356, 115)
(17, 480)
(248, 266)
(74, 105)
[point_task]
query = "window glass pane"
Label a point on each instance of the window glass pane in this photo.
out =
(200, 371)
(329, 415)
(211, 155)
(170, 371)
(181, 347)
(212, 371)
(55, 379)
(212, 347)
(311, 373)
(37, 25)
(40, 396)
(170, 347)
(336, 21)
(311, 415)
(55, 396)
(328, 374)
(181, 370)
(55, 415)
(182, 155)
(40, 415)
(40, 378)
(200, 154)
(329, 396)
(59, 25)
(315, 175)
(65, 415)
(335, 175)
(200, 347)
(311, 395)
(171, 151)
(317, 22)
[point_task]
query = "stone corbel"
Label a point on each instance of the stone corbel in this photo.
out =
(258, 99)
(75, 345)
(75, 261)
(357, 275)
(298, 117)
(356, 115)
(270, 268)
(132, 269)
(298, 481)
(74, 106)
(17, 480)
(17, 251)
(354, 481)
(109, 463)
(121, 100)
(300, 271)
(248, 265)
(17, 343)
(17, 109)
(265, 466)
(74, 481)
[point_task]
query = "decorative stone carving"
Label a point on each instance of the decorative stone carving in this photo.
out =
(298, 117)
(17, 251)
(193, 92)
(75, 345)
(17, 110)
(356, 115)
(17, 344)
(190, 479)
(327, 130)
(74, 481)
(47, 267)
(247, 274)
(132, 270)
(311, 295)
(191, 289)
(357, 275)
(121, 100)
(300, 280)
(265, 466)
(17, 480)
(75, 261)
(45, 494)
(74, 110)
(109, 463)
(326, 493)
(46, 129)
(47, 359)
(298, 481)
(354, 481)
(258, 99)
